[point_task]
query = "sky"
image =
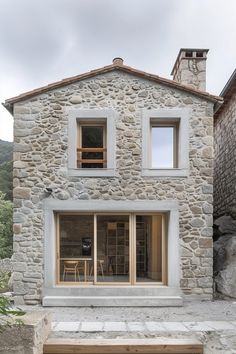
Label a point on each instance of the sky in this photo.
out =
(42, 41)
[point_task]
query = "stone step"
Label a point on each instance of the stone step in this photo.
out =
(119, 346)
(101, 301)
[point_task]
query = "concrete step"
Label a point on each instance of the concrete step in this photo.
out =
(121, 346)
(101, 301)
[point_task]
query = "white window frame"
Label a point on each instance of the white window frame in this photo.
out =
(91, 115)
(166, 116)
(103, 206)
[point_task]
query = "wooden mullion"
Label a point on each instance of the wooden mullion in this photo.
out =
(91, 149)
(58, 255)
(95, 248)
(89, 161)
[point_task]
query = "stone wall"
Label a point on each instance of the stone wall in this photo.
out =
(225, 160)
(41, 156)
(27, 338)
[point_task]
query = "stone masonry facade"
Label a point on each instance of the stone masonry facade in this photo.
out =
(225, 160)
(41, 161)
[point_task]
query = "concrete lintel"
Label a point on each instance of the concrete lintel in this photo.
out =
(111, 205)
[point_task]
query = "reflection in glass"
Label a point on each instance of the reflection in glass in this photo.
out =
(76, 247)
(162, 147)
(112, 248)
(148, 248)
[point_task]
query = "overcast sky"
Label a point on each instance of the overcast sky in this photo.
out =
(42, 41)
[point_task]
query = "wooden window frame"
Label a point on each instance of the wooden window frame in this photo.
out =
(166, 117)
(175, 126)
(132, 251)
(80, 150)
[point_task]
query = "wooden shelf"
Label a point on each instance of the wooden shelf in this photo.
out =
(118, 245)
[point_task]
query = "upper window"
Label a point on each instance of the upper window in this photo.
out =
(164, 149)
(165, 143)
(91, 151)
(92, 143)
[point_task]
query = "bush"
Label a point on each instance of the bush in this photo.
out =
(4, 279)
(6, 232)
(7, 313)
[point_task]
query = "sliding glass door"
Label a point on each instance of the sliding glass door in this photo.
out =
(76, 247)
(110, 248)
(113, 248)
(148, 248)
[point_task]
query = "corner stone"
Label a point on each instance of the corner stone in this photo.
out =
(21, 193)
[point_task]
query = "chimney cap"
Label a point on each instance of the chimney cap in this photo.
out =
(190, 53)
(118, 61)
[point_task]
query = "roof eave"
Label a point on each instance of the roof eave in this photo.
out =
(226, 93)
(228, 85)
(22, 97)
(9, 107)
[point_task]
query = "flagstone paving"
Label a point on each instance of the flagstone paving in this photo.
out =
(212, 323)
(204, 326)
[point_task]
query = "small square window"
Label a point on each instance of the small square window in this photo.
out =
(165, 143)
(92, 142)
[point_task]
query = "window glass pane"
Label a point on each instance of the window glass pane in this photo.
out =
(148, 248)
(76, 247)
(112, 248)
(162, 147)
(92, 136)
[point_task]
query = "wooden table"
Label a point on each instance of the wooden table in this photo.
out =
(80, 259)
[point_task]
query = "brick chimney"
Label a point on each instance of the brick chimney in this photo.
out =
(190, 68)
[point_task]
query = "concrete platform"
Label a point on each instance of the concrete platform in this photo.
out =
(110, 301)
(109, 296)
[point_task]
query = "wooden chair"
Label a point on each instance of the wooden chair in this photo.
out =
(80, 267)
(71, 267)
(100, 265)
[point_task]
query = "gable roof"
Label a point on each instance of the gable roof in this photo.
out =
(117, 65)
(227, 92)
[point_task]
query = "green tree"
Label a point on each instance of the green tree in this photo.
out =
(6, 151)
(6, 232)
(6, 179)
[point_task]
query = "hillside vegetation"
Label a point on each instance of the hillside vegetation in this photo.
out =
(6, 185)
(6, 151)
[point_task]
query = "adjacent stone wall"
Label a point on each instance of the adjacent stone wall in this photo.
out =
(27, 338)
(41, 156)
(225, 160)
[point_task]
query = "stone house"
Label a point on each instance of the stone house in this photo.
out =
(225, 152)
(113, 187)
(225, 192)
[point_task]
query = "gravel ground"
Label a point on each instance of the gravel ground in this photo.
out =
(218, 310)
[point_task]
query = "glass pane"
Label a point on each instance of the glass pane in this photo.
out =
(76, 247)
(113, 248)
(92, 137)
(148, 248)
(162, 147)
